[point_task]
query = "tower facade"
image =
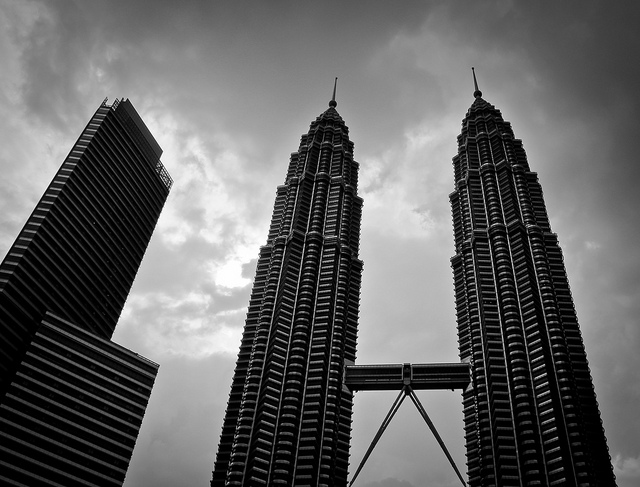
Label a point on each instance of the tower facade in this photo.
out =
(78, 253)
(288, 420)
(71, 401)
(72, 412)
(531, 416)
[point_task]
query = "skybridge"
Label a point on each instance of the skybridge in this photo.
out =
(406, 378)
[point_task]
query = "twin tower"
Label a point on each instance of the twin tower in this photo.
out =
(72, 401)
(530, 411)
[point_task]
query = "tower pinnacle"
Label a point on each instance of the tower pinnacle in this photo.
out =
(333, 103)
(477, 93)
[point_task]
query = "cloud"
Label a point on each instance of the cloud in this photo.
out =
(388, 482)
(178, 439)
(627, 470)
(193, 326)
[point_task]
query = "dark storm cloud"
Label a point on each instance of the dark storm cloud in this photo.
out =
(54, 57)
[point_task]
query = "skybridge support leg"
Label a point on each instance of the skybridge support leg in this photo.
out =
(383, 426)
(433, 429)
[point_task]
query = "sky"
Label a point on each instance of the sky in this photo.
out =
(228, 88)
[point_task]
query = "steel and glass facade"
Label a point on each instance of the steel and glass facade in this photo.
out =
(288, 419)
(531, 416)
(78, 253)
(74, 262)
(73, 411)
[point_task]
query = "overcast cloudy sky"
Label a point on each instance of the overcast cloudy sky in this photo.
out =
(227, 88)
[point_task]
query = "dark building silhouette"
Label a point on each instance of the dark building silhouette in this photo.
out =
(72, 413)
(531, 416)
(71, 401)
(288, 419)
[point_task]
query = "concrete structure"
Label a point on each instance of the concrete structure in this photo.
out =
(73, 411)
(531, 416)
(70, 270)
(288, 419)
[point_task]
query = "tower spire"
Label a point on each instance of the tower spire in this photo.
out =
(477, 93)
(333, 103)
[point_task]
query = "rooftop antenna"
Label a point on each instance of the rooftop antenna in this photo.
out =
(477, 93)
(333, 102)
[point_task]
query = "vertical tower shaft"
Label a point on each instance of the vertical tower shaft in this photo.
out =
(72, 401)
(531, 416)
(288, 419)
(79, 252)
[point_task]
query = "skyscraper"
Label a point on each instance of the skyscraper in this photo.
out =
(71, 401)
(72, 412)
(531, 416)
(288, 419)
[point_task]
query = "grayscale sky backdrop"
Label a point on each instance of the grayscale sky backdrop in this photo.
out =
(227, 88)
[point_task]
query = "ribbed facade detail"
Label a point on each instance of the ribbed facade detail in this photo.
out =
(531, 416)
(72, 414)
(288, 419)
(71, 401)
(79, 252)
